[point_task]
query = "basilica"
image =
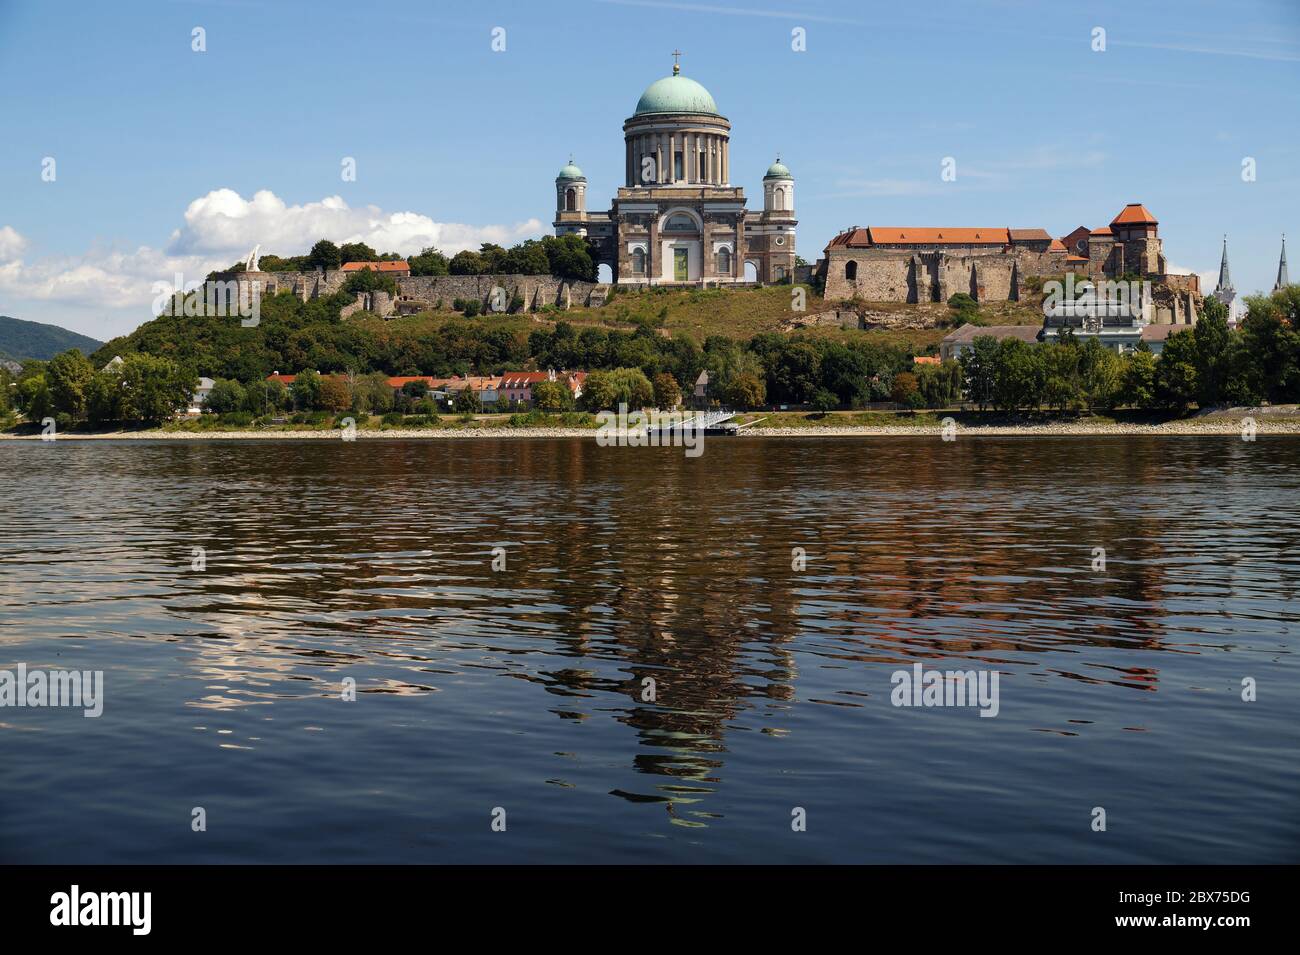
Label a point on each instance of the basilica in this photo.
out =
(678, 219)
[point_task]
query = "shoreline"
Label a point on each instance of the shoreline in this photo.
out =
(1184, 428)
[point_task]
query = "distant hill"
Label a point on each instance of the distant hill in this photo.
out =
(22, 340)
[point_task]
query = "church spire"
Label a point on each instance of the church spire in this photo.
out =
(1225, 280)
(1282, 280)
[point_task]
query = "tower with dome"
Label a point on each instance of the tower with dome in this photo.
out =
(679, 219)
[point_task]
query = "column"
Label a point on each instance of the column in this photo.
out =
(652, 257)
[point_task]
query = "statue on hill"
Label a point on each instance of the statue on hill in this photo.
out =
(252, 264)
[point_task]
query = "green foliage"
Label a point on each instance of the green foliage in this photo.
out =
(668, 394)
(154, 388)
(368, 280)
(745, 391)
(468, 402)
(68, 377)
(552, 396)
(823, 400)
(324, 255)
(429, 262)
(226, 397)
(357, 252)
(939, 385)
(305, 390)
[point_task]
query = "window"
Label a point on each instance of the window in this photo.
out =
(570, 200)
(724, 261)
(679, 167)
(638, 261)
(780, 200)
(679, 222)
(780, 273)
(851, 271)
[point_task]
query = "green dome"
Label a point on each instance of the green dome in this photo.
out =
(570, 171)
(778, 170)
(676, 94)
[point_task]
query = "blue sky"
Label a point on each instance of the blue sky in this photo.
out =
(160, 150)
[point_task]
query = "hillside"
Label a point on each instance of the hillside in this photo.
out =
(23, 340)
(294, 335)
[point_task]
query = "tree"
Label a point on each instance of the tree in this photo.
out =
(1176, 383)
(1019, 375)
(552, 396)
(824, 401)
(1139, 386)
(334, 394)
(1212, 355)
(466, 262)
(904, 386)
(745, 390)
(105, 398)
(357, 252)
(796, 372)
(977, 367)
(68, 376)
(34, 397)
(1101, 375)
(527, 259)
(598, 392)
(373, 394)
(570, 257)
(939, 385)
(324, 255)
(305, 390)
(226, 396)
(368, 280)
(429, 262)
(468, 401)
(632, 388)
(154, 389)
(668, 394)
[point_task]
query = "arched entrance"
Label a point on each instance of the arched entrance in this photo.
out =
(751, 271)
(604, 274)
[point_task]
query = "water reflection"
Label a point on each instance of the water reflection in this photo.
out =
(373, 561)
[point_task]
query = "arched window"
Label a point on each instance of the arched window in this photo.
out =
(638, 261)
(724, 261)
(780, 200)
(679, 222)
(851, 271)
(779, 274)
(570, 200)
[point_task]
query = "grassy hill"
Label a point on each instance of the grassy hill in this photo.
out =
(23, 340)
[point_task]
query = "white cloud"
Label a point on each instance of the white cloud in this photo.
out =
(219, 229)
(11, 245)
(225, 222)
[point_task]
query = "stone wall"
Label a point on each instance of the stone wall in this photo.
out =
(415, 293)
(935, 276)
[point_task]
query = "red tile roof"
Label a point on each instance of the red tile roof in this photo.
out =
(401, 265)
(893, 235)
(1029, 235)
(1134, 214)
(1104, 230)
(1056, 246)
